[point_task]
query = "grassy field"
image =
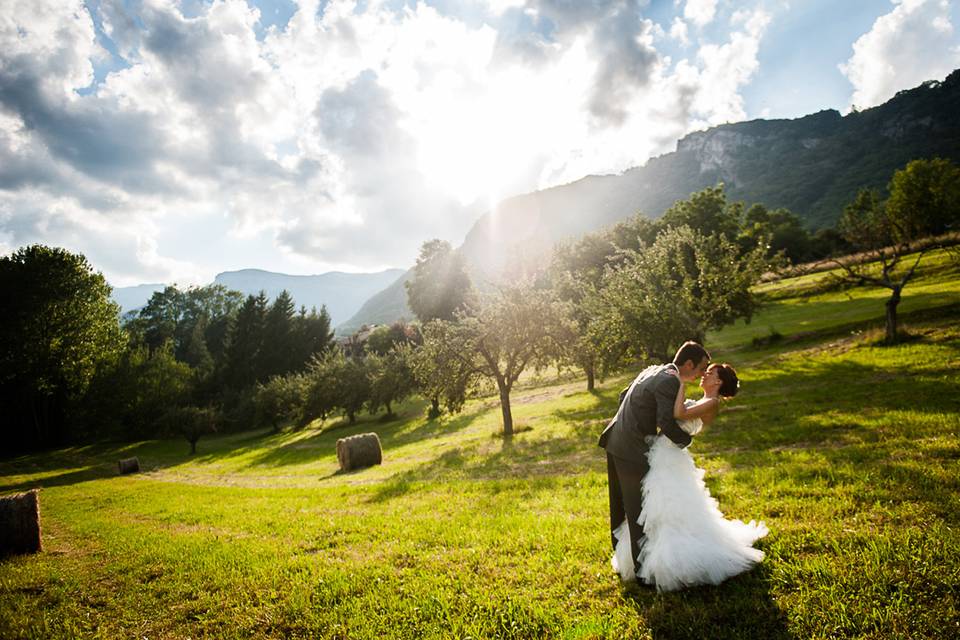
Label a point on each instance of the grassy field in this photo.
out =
(848, 449)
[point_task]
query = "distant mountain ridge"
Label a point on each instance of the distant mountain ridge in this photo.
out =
(342, 293)
(813, 165)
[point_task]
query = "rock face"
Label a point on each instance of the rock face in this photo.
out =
(716, 150)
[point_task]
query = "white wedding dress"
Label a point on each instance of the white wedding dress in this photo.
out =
(687, 540)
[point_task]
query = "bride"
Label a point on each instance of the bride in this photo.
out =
(687, 540)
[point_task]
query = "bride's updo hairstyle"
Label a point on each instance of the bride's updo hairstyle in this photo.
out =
(729, 382)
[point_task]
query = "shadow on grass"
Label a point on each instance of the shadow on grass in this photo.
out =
(522, 457)
(739, 608)
(96, 472)
(396, 432)
(932, 307)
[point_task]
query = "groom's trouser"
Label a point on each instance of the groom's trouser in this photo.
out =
(625, 482)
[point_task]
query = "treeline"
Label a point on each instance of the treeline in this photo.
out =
(188, 362)
(204, 359)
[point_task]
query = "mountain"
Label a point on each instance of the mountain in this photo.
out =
(812, 165)
(132, 298)
(385, 307)
(342, 293)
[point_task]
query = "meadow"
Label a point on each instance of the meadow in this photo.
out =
(846, 447)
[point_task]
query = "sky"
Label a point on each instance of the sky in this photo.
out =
(170, 140)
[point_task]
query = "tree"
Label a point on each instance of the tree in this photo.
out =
(383, 339)
(440, 285)
(924, 199)
(675, 290)
(245, 339)
(279, 353)
(280, 401)
(442, 372)
(391, 379)
(313, 334)
(706, 212)
(193, 423)
(353, 386)
(322, 385)
(780, 230)
(923, 202)
(59, 327)
(173, 315)
(511, 330)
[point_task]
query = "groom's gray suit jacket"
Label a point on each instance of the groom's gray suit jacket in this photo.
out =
(644, 405)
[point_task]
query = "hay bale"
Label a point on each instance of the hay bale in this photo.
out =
(20, 523)
(128, 465)
(359, 451)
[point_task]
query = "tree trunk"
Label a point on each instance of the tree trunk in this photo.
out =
(389, 410)
(505, 408)
(193, 446)
(589, 369)
(892, 315)
(434, 408)
(351, 417)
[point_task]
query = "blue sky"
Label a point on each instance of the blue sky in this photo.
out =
(170, 140)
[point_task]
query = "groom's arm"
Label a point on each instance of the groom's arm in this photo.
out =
(666, 395)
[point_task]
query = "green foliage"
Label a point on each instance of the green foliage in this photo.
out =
(443, 372)
(59, 328)
(677, 289)
(780, 230)
(337, 382)
(708, 212)
(922, 203)
(245, 343)
(192, 423)
(513, 328)
(322, 391)
(864, 223)
(353, 386)
(174, 315)
(391, 378)
(384, 339)
(924, 199)
(440, 285)
(280, 400)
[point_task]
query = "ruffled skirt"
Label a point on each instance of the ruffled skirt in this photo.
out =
(687, 540)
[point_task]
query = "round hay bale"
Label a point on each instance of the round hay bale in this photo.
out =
(129, 465)
(357, 452)
(20, 523)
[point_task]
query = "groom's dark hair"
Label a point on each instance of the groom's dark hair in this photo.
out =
(692, 351)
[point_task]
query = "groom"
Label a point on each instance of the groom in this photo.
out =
(644, 406)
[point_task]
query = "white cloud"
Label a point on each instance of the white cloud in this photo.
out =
(678, 31)
(913, 43)
(709, 91)
(341, 140)
(700, 12)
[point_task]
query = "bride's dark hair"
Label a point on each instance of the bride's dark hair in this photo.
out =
(729, 382)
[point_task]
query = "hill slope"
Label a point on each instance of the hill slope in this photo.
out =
(384, 307)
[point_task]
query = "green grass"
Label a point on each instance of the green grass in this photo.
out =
(849, 450)
(815, 302)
